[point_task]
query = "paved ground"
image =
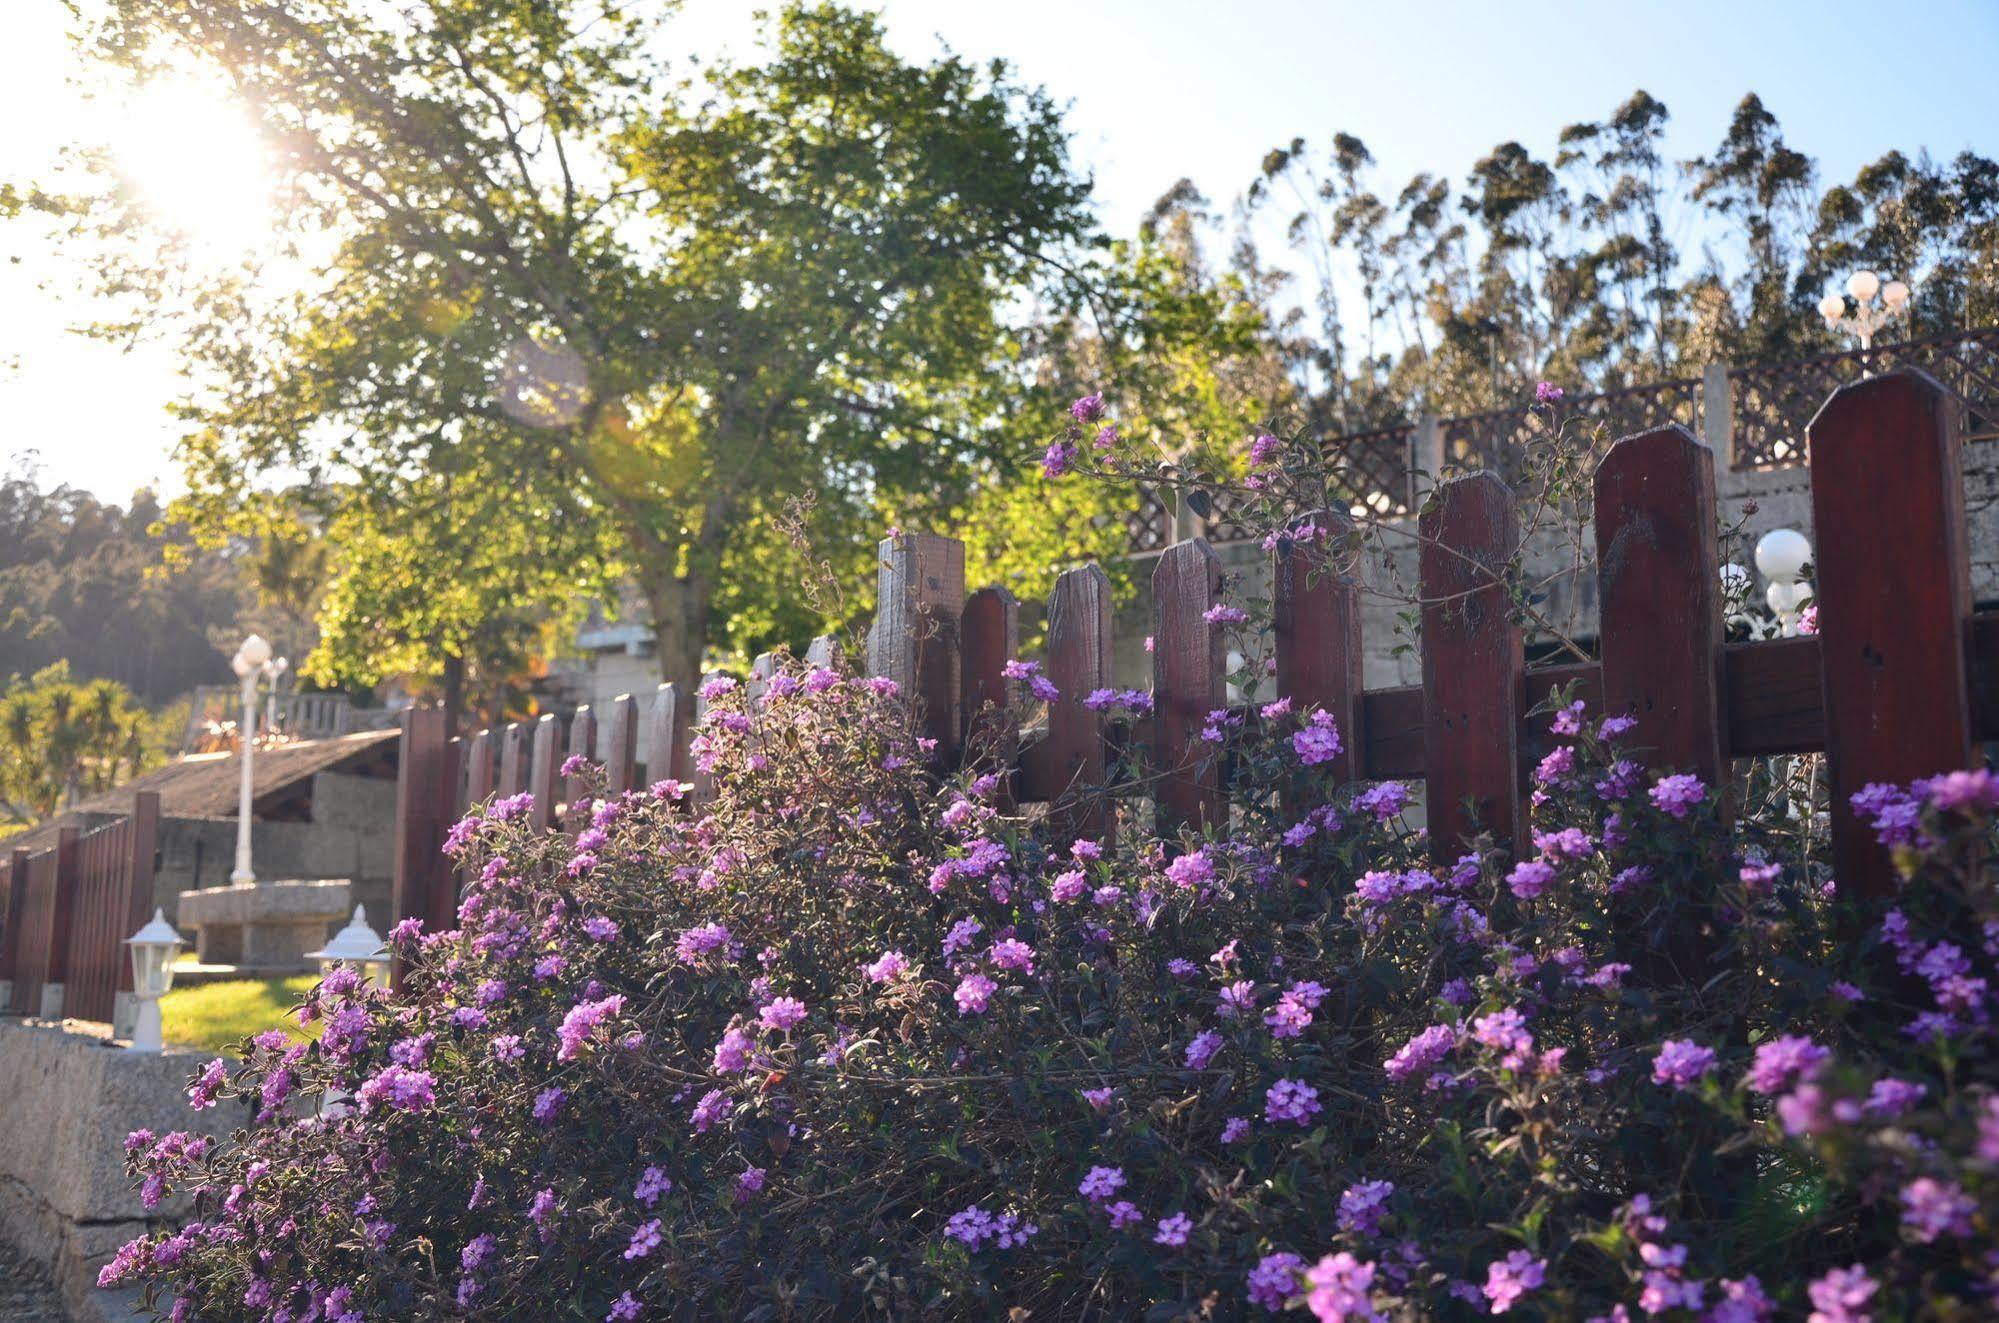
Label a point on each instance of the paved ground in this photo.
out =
(26, 1295)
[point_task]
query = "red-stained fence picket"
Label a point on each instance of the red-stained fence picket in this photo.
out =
(1900, 682)
(68, 911)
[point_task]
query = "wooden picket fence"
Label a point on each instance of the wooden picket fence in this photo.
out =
(68, 910)
(1898, 684)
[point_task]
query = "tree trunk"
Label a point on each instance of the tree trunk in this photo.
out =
(679, 604)
(454, 694)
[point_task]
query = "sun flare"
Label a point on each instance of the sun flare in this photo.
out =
(198, 164)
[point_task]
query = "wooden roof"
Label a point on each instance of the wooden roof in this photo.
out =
(204, 785)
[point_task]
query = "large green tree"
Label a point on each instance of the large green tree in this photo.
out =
(650, 300)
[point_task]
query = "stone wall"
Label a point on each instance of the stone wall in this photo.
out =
(68, 1100)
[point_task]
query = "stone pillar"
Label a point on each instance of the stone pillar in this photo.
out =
(1426, 459)
(1718, 415)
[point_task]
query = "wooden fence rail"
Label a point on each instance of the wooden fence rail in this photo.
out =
(68, 911)
(1901, 681)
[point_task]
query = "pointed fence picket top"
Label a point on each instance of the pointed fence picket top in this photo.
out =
(666, 743)
(1074, 758)
(544, 763)
(13, 911)
(915, 640)
(618, 749)
(1659, 587)
(991, 633)
(479, 768)
(1189, 682)
(824, 650)
(426, 788)
(582, 741)
(1473, 695)
(1893, 590)
(761, 670)
(1316, 619)
(513, 759)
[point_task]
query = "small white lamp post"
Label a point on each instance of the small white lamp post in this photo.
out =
(358, 946)
(252, 662)
(1866, 318)
(1781, 557)
(154, 949)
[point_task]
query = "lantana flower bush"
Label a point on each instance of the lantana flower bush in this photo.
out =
(851, 1037)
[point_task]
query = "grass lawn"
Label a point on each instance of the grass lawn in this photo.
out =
(215, 1015)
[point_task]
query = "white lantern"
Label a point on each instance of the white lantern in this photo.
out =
(1896, 294)
(250, 656)
(1863, 285)
(1785, 598)
(1782, 554)
(154, 949)
(1832, 307)
(358, 946)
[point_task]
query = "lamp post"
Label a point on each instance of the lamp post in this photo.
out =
(154, 949)
(358, 946)
(252, 662)
(1781, 557)
(1866, 318)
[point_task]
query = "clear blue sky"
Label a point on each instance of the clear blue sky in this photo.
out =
(1161, 89)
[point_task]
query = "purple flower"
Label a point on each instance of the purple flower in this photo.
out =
(713, 1107)
(1933, 1208)
(890, 966)
(1892, 1097)
(1123, 1213)
(1529, 878)
(1782, 1060)
(644, 1240)
(1173, 1230)
(624, 1309)
(1012, 953)
(1100, 1183)
(582, 1021)
(1967, 791)
(1274, 1280)
(1512, 1277)
(782, 1013)
(400, 1088)
(974, 993)
(1088, 408)
(1421, 1053)
(1363, 1205)
(1202, 1049)
(201, 1093)
(652, 1183)
(548, 1103)
(732, 1054)
(1263, 448)
(1057, 459)
(1317, 742)
(1841, 1296)
(1337, 1290)
(750, 1182)
(1681, 1062)
(1384, 801)
(1291, 1100)
(1191, 870)
(1677, 795)
(1546, 392)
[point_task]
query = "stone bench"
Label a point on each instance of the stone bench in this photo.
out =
(264, 927)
